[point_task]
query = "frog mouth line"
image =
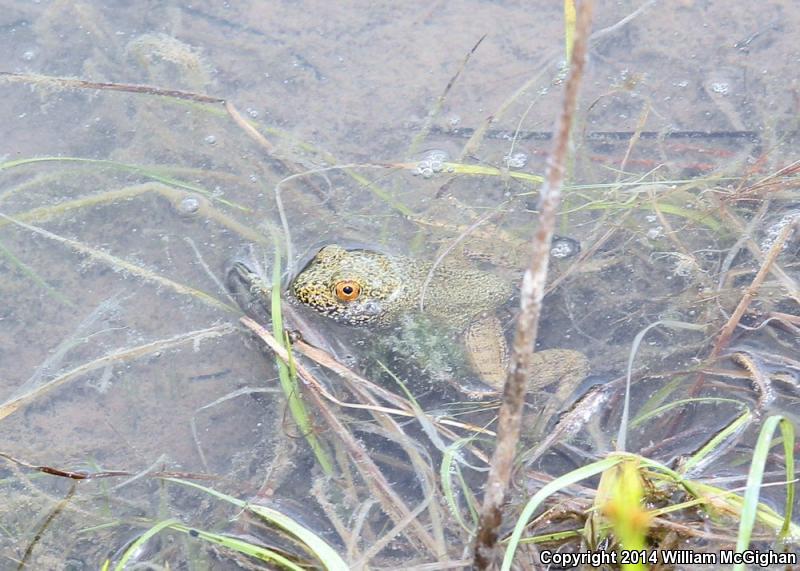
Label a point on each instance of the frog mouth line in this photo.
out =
(358, 313)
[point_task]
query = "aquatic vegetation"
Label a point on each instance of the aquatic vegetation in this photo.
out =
(151, 424)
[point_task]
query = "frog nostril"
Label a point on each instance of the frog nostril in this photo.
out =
(371, 308)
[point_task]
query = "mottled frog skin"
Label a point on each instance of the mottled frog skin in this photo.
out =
(367, 288)
(387, 287)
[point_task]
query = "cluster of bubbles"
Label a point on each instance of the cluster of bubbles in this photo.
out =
(683, 266)
(431, 163)
(772, 232)
(515, 160)
(562, 247)
(656, 231)
(721, 87)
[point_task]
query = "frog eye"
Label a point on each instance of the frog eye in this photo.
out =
(347, 290)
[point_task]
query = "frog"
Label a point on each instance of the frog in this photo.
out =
(370, 289)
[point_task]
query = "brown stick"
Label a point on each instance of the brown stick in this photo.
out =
(108, 86)
(84, 475)
(531, 295)
(230, 108)
(751, 290)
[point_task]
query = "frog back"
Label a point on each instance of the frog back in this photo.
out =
(457, 296)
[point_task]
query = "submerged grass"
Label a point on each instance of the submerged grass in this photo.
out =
(627, 481)
(300, 535)
(120, 356)
(450, 470)
(124, 266)
(175, 196)
(33, 276)
(153, 173)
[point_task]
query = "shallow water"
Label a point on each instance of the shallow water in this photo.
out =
(709, 87)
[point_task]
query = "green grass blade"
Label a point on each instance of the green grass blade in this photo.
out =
(548, 490)
(755, 476)
(316, 545)
(643, 417)
(570, 17)
(461, 168)
(239, 545)
(288, 377)
(29, 273)
(142, 539)
(724, 435)
(787, 430)
(449, 470)
(660, 396)
(700, 217)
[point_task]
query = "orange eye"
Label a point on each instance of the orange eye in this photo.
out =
(347, 290)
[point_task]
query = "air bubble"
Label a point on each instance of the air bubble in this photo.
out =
(654, 233)
(431, 163)
(188, 206)
(516, 161)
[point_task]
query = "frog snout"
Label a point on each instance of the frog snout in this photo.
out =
(363, 312)
(369, 309)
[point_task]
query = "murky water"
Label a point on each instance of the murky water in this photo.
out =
(122, 347)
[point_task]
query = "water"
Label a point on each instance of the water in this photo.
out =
(160, 192)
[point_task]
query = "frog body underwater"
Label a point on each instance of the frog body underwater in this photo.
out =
(366, 288)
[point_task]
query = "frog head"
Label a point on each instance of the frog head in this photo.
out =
(356, 287)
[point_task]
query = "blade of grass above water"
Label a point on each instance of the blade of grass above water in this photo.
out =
(548, 490)
(570, 19)
(288, 377)
(756, 475)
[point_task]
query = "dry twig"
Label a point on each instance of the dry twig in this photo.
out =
(392, 504)
(531, 295)
(751, 290)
